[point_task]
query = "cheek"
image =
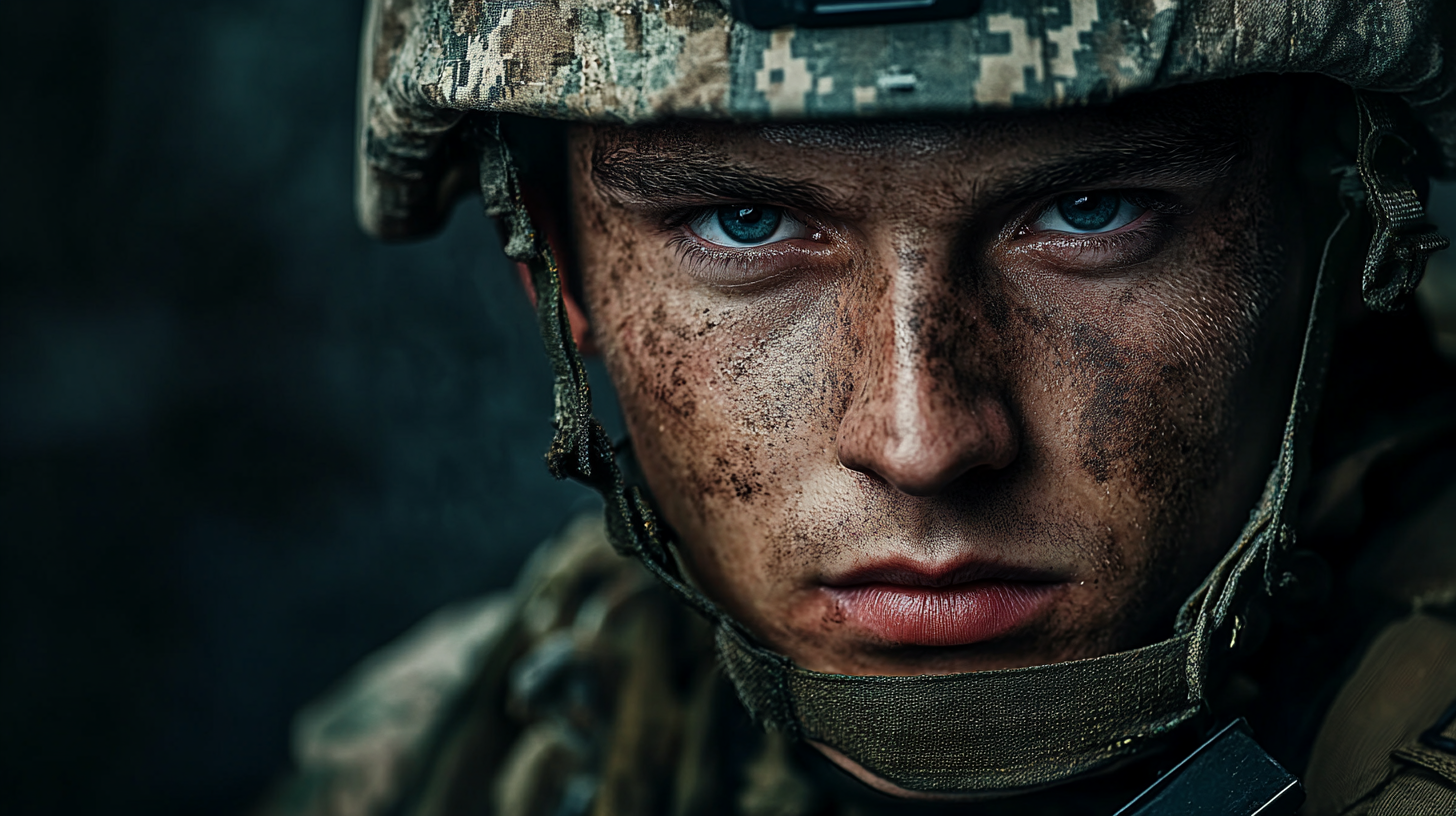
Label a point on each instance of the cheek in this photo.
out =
(724, 395)
(1142, 390)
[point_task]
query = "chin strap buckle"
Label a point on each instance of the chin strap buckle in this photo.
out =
(1402, 241)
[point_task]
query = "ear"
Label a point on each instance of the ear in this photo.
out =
(580, 328)
(545, 219)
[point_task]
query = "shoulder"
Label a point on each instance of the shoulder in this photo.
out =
(1387, 744)
(358, 747)
(355, 745)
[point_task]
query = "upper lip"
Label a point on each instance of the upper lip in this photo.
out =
(910, 573)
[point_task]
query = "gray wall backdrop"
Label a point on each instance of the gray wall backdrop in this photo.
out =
(242, 444)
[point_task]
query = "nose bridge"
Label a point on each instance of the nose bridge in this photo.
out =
(925, 410)
(919, 390)
(915, 324)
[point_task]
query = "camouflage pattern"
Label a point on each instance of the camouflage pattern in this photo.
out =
(587, 689)
(624, 61)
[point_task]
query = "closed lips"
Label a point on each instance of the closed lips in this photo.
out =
(899, 605)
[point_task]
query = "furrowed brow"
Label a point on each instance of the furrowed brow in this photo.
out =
(666, 178)
(665, 175)
(1171, 159)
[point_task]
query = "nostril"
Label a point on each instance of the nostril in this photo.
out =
(925, 456)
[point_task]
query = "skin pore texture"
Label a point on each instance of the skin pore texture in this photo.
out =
(927, 426)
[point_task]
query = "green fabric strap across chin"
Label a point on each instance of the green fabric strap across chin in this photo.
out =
(1008, 731)
(1000, 732)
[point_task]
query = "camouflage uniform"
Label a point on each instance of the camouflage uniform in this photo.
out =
(586, 690)
(592, 689)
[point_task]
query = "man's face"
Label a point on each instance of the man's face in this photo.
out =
(939, 397)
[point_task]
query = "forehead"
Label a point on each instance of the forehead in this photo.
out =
(1183, 135)
(1211, 113)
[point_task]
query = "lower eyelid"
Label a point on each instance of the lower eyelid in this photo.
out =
(1119, 248)
(732, 267)
(728, 274)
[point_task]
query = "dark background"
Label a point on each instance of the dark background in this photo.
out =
(242, 444)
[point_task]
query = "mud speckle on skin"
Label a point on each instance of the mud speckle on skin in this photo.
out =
(931, 386)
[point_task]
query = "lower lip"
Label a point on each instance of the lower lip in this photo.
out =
(940, 616)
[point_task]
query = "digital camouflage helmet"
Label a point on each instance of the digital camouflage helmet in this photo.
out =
(438, 75)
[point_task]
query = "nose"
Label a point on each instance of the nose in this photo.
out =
(926, 410)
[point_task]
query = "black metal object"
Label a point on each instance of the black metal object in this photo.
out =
(1435, 736)
(1229, 775)
(829, 13)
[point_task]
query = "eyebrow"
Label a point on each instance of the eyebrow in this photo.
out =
(662, 175)
(1174, 160)
(665, 175)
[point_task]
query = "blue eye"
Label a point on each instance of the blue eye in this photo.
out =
(1083, 213)
(747, 225)
(1089, 211)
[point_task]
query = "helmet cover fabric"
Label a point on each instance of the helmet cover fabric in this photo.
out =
(425, 62)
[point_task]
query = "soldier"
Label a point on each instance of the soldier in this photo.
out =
(970, 356)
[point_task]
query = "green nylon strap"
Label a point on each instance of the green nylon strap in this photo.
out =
(581, 448)
(1007, 731)
(1214, 607)
(995, 731)
(1402, 242)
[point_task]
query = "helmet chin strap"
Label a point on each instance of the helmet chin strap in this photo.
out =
(1015, 730)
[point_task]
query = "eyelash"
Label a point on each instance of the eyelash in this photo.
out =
(1133, 243)
(724, 267)
(732, 268)
(1125, 246)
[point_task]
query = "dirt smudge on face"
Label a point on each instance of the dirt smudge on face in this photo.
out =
(1104, 424)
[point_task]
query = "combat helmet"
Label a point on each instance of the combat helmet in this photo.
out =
(438, 75)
